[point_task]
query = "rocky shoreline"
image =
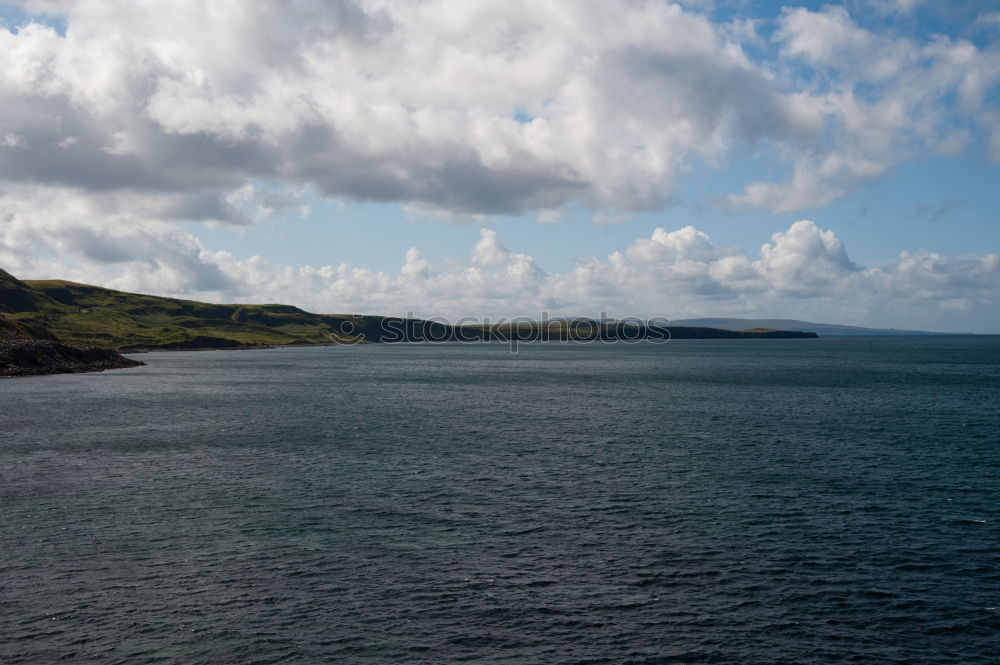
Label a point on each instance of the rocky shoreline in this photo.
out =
(33, 357)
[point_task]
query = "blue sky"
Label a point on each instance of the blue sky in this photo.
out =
(814, 160)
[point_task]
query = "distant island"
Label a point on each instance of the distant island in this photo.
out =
(823, 329)
(49, 326)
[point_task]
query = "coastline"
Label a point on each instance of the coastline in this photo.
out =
(30, 357)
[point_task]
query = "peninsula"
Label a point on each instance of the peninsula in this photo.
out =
(50, 323)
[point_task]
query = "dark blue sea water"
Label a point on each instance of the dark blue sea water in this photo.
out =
(752, 501)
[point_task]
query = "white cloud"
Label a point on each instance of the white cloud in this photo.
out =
(896, 6)
(988, 18)
(884, 100)
(415, 265)
(473, 108)
(822, 38)
(805, 261)
(803, 272)
(145, 115)
(489, 251)
(95, 239)
(12, 140)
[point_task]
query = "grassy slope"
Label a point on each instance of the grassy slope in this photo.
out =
(11, 329)
(84, 315)
(90, 315)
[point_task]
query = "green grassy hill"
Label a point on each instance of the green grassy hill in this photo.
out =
(16, 296)
(83, 315)
(93, 316)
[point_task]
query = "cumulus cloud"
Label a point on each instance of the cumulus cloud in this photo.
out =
(93, 240)
(804, 271)
(134, 118)
(489, 251)
(474, 107)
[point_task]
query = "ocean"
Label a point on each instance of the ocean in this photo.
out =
(700, 501)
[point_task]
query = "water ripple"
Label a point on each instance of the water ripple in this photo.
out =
(699, 502)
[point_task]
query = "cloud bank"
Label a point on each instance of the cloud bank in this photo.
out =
(128, 120)
(802, 272)
(473, 107)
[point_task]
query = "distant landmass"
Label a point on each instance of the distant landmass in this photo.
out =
(821, 329)
(61, 318)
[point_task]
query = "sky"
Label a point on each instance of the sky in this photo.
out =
(629, 158)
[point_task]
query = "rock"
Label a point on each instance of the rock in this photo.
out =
(31, 357)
